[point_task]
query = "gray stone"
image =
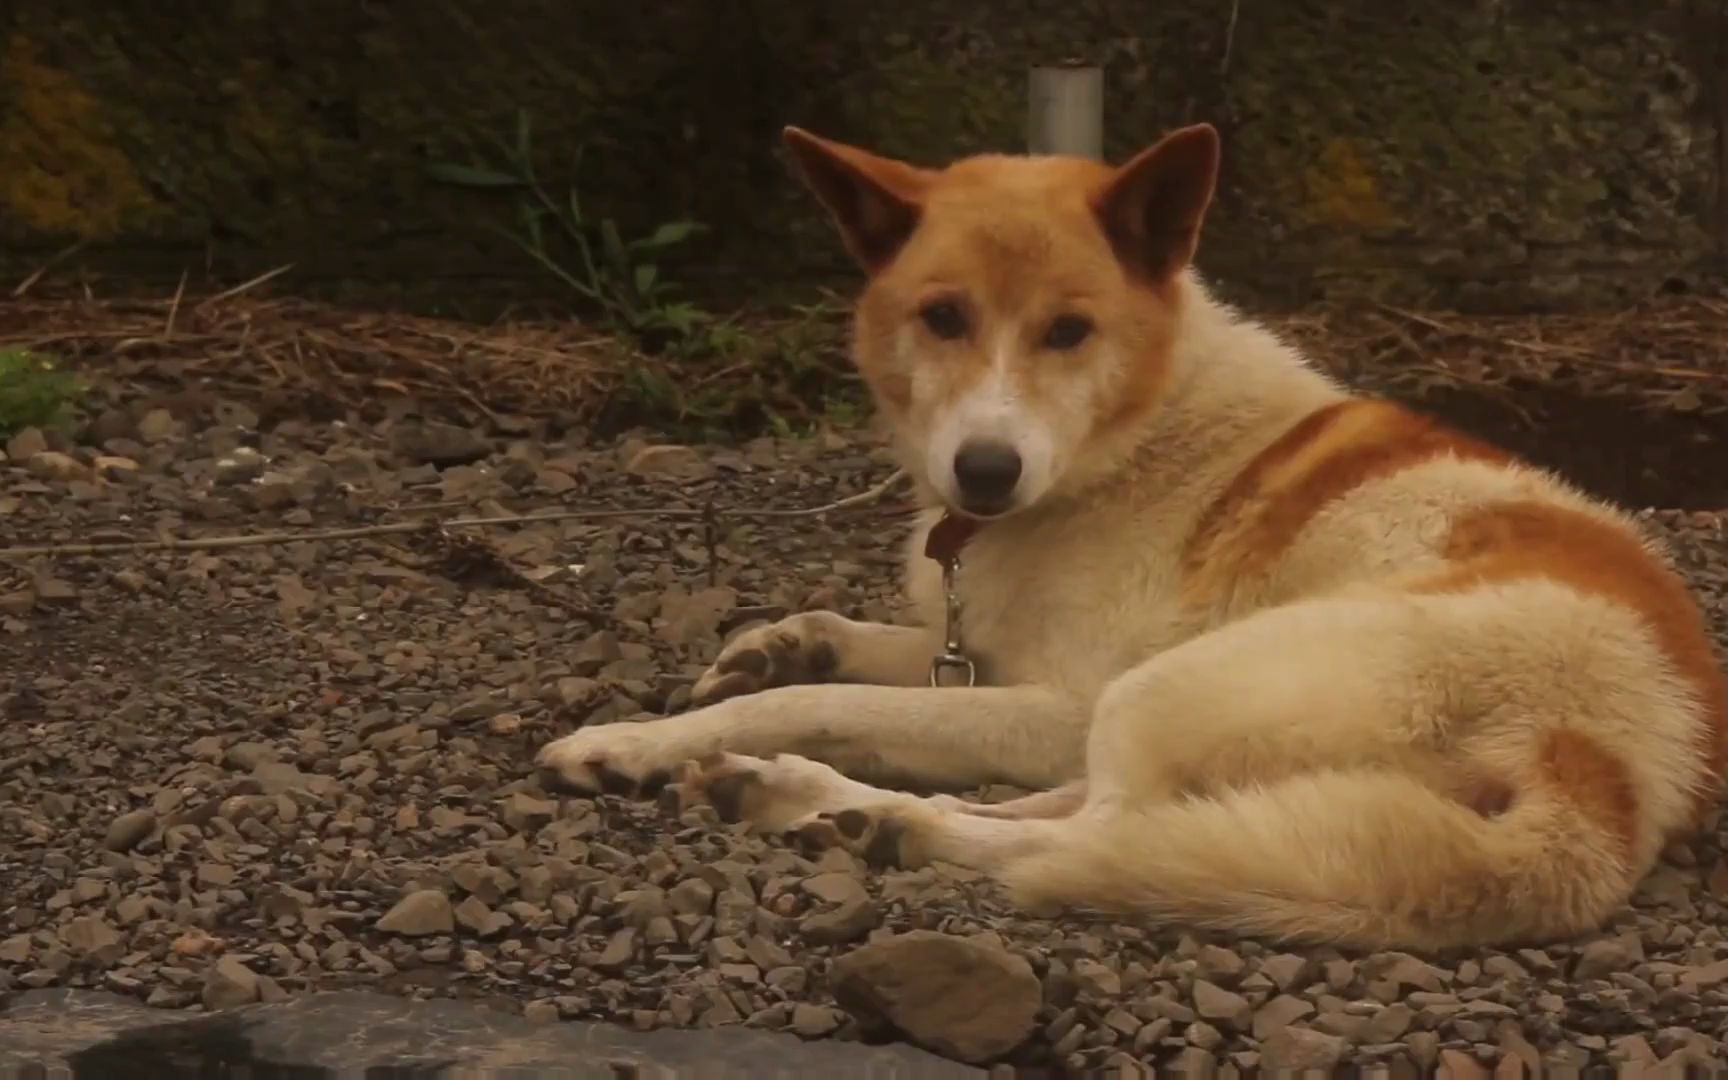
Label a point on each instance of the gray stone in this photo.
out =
(845, 923)
(1602, 958)
(1222, 1006)
(89, 934)
(229, 983)
(1279, 1013)
(26, 444)
(420, 913)
(1301, 1048)
(439, 444)
(159, 426)
(958, 996)
(679, 462)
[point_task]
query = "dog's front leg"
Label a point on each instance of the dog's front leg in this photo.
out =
(818, 647)
(956, 737)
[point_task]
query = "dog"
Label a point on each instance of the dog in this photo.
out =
(1278, 659)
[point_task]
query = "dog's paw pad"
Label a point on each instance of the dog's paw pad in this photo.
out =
(723, 686)
(814, 837)
(733, 785)
(748, 662)
(789, 652)
(599, 777)
(876, 835)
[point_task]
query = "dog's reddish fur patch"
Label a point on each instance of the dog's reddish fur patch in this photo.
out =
(1325, 455)
(1509, 541)
(1342, 446)
(1594, 780)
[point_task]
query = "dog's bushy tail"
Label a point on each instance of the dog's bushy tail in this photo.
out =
(1356, 858)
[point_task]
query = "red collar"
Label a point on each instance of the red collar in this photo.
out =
(948, 536)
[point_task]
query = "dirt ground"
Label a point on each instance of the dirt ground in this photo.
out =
(241, 771)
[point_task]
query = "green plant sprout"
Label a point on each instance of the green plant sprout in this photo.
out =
(620, 277)
(34, 391)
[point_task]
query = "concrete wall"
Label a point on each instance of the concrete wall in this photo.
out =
(1472, 152)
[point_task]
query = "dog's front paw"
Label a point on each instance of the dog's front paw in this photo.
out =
(796, 650)
(620, 758)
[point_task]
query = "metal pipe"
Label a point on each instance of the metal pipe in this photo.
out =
(1065, 113)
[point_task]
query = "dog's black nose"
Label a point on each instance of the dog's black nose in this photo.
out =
(986, 473)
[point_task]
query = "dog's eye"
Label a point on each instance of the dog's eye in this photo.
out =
(944, 319)
(1067, 332)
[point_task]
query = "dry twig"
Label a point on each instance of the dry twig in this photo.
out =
(215, 543)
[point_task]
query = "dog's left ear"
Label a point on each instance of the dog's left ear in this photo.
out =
(874, 201)
(1153, 208)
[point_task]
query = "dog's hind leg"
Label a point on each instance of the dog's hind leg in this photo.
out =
(1337, 683)
(1332, 684)
(1055, 803)
(816, 807)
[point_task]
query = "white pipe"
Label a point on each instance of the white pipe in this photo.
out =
(1065, 112)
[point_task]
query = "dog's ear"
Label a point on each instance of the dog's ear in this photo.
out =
(1152, 209)
(875, 201)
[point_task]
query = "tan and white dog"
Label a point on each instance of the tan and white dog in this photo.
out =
(1287, 661)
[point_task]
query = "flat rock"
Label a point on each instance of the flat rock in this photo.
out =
(350, 1033)
(960, 997)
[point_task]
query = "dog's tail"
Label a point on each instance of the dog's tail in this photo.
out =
(1355, 858)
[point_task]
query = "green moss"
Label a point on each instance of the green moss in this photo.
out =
(61, 171)
(34, 392)
(1436, 124)
(1358, 142)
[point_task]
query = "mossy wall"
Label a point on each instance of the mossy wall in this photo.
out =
(1474, 152)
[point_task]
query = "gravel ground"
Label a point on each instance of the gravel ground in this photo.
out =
(242, 773)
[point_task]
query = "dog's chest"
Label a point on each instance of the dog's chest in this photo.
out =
(1057, 607)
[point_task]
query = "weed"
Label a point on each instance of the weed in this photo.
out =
(34, 392)
(690, 370)
(620, 278)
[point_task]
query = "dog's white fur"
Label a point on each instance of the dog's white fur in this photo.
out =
(1284, 756)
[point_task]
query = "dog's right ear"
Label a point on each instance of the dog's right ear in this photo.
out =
(875, 201)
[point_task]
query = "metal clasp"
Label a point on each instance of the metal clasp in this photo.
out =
(952, 657)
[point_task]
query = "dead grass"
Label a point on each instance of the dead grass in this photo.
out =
(1670, 354)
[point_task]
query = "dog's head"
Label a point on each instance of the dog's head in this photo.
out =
(1019, 310)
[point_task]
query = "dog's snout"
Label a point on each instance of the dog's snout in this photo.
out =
(986, 473)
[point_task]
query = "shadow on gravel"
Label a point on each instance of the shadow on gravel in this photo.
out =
(1615, 446)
